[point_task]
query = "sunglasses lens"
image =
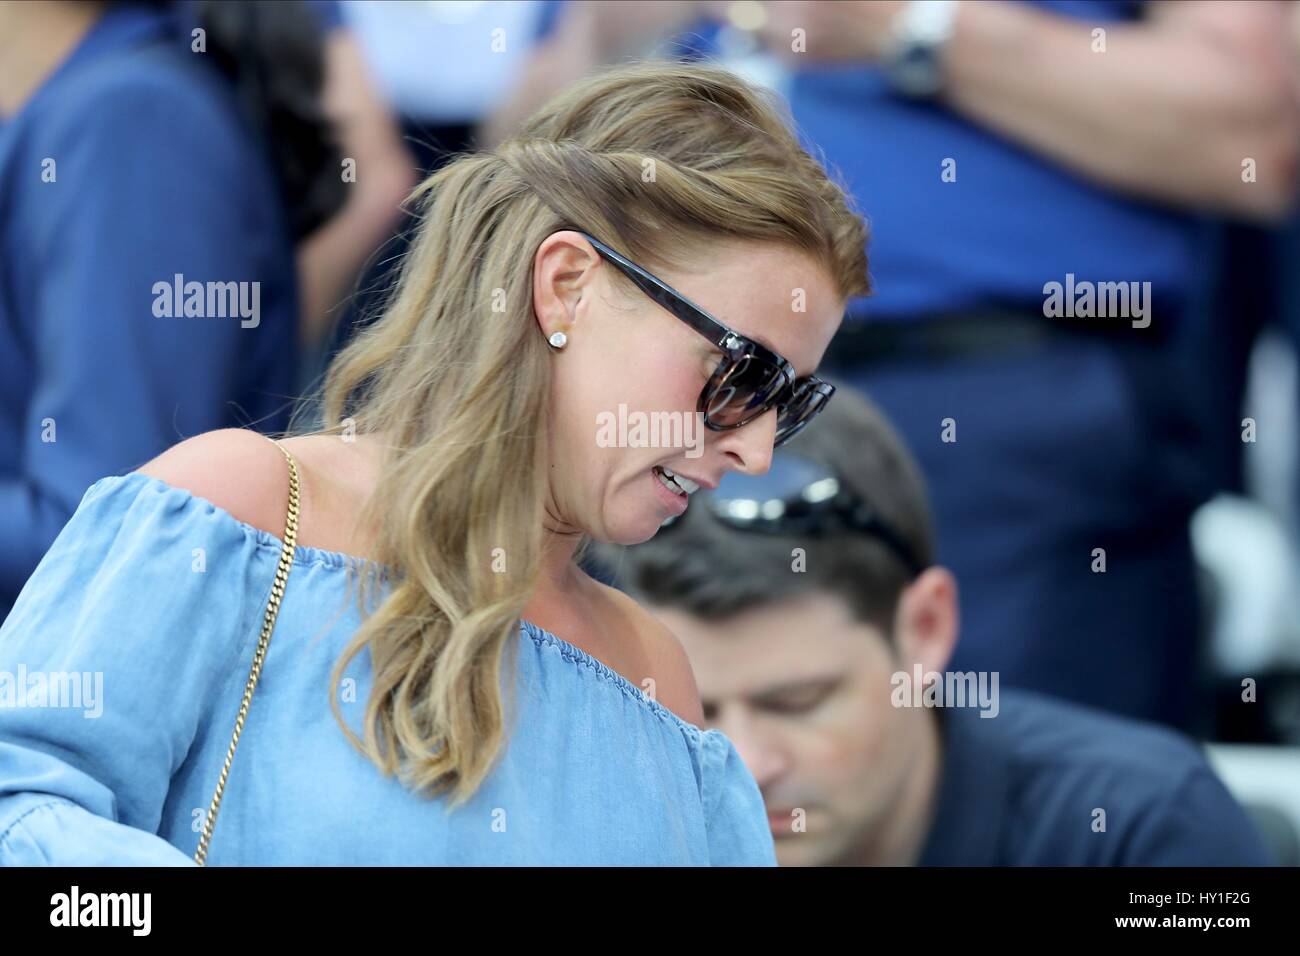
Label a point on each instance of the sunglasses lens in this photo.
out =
(742, 390)
(802, 408)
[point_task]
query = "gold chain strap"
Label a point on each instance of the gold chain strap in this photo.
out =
(268, 623)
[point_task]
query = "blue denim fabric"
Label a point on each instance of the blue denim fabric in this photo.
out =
(162, 593)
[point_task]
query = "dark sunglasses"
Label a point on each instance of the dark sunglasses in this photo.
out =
(797, 496)
(749, 380)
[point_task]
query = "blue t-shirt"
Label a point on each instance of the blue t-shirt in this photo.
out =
(130, 167)
(329, 14)
(1029, 787)
(149, 608)
(1011, 220)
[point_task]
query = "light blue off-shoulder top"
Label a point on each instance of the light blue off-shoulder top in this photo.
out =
(124, 659)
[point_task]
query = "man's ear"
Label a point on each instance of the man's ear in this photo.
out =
(927, 619)
(563, 269)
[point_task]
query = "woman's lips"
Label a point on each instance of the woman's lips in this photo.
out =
(675, 503)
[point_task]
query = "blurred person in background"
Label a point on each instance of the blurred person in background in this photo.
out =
(153, 182)
(1012, 153)
(414, 80)
(573, 37)
(814, 619)
(444, 66)
(1248, 537)
(379, 171)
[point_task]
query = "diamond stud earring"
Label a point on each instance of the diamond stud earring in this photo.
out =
(558, 340)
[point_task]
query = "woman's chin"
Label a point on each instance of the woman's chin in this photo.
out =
(638, 518)
(635, 530)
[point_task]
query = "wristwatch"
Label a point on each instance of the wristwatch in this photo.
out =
(913, 60)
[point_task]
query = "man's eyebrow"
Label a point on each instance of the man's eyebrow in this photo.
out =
(805, 683)
(830, 681)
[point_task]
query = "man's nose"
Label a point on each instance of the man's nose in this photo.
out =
(763, 758)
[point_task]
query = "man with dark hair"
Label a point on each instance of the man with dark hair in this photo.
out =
(819, 630)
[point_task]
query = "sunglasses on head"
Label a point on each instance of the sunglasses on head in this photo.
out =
(750, 379)
(798, 497)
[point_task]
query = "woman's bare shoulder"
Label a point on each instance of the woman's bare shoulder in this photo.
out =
(244, 473)
(666, 658)
(236, 469)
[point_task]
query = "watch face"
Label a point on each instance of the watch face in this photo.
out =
(916, 70)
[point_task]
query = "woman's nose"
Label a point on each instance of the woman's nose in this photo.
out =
(750, 446)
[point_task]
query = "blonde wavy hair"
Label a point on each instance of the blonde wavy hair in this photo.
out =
(652, 158)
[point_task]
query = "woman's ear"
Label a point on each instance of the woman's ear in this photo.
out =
(563, 269)
(927, 620)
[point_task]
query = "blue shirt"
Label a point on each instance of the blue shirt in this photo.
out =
(154, 175)
(593, 772)
(1011, 221)
(1022, 789)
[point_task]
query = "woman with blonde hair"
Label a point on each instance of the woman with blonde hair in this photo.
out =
(445, 685)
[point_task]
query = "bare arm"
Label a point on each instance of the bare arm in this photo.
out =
(586, 36)
(1168, 111)
(331, 258)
